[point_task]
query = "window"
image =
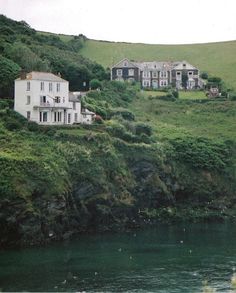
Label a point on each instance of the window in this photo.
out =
(131, 72)
(57, 100)
(119, 72)
(42, 100)
(163, 83)
(76, 117)
(178, 75)
(163, 74)
(146, 73)
(146, 83)
(57, 116)
(63, 100)
(50, 86)
(43, 116)
(69, 118)
(28, 86)
(28, 100)
(28, 115)
(125, 64)
(74, 106)
(41, 86)
(58, 87)
(154, 74)
(190, 73)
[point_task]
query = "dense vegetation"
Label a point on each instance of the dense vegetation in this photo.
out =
(148, 160)
(21, 47)
(150, 155)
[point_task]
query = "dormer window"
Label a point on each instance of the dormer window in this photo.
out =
(125, 63)
(184, 65)
(190, 73)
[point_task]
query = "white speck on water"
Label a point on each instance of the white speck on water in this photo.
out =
(181, 241)
(130, 257)
(95, 273)
(119, 249)
(64, 282)
(190, 251)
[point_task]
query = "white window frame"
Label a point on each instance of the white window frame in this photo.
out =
(58, 87)
(119, 72)
(163, 74)
(28, 98)
(154, 74)
(50, 86)
(28, 86)
(131, 72)
(57, 100)
(28, 113)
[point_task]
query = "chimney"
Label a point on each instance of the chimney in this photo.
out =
(59, 74)
(23, 74)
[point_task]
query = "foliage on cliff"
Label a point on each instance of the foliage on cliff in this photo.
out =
(124, 171)
(21, 47)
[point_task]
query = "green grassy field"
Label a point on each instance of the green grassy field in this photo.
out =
(212, 119)
(218, 59)
(185, 95)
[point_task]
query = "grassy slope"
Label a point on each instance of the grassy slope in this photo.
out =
(214, 119)
(217, 59)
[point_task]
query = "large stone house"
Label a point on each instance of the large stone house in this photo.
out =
(158, 74)
(44, 98)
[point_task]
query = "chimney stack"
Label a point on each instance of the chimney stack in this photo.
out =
(23, 74)
(59, 74)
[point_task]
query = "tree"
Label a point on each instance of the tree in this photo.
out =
(9, 71)
(26, 58)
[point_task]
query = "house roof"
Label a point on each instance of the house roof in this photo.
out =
(44, 76)
(183, 65)
(122, 63)
(154, 65)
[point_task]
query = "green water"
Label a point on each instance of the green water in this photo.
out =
(175, 258)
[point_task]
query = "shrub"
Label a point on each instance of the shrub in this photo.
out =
(175, 94)
(12, 124)
(33, 126)
(204, 75)
(95, 84)
(142, 128)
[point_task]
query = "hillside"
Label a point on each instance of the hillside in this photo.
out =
(150, 157)
(217, 59)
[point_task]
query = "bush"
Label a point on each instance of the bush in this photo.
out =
(95, 84)
(142, 128)
(175, 94)
(204, 75)
(12, 124)
(33, 126)
(125, 114)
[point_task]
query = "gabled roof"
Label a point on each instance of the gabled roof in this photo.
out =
(125, 63)
(154, 65)
(183, 65)
(43, 76)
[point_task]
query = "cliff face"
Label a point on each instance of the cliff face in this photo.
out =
(58, 182)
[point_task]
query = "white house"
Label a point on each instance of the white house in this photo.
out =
(44, 98)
